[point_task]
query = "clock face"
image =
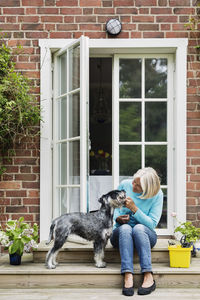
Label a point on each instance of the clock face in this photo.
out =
(113, 26)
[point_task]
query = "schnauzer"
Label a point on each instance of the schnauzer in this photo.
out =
(93, 226)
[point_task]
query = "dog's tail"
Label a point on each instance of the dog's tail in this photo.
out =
(50, 233)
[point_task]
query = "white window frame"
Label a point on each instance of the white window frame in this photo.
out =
(178, 47)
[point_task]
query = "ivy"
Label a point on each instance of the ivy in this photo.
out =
(19, 110)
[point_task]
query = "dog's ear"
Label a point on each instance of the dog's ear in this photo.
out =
(101, 199)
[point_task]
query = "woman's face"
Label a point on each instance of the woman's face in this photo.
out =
(136, 185)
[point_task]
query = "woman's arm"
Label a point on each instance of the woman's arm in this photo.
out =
(151, 220)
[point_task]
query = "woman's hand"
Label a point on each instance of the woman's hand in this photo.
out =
(129, 203)
(123, 219)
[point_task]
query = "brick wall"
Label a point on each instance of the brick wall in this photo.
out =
(26, 21)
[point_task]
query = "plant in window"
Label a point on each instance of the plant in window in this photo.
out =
(19, 111)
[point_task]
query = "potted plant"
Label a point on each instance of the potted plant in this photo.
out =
(180, 254)
(18, 237)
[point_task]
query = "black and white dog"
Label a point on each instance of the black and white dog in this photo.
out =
(94, 226)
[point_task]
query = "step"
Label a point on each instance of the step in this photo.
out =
(95, 294)
(86, 275)
(83, 252)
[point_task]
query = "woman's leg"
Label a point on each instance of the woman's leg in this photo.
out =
(122, 238)
(145, 239)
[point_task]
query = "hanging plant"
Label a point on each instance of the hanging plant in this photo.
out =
(19, 110)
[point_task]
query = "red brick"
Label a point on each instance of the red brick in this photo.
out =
(9, 3)
(50, 2)
(64, 35)
(54, 19)
(184, 11)
(127, 11)
(87, 11)
(9, 27)
(12, 169)
(179, 2)
(143, 11)
(27, 217)
(16, 201)
(180, 27)
(67, 3)
(191, 201)
(176, 34)
(166, 19)
(5, 201)
(25, 177)
(145, 2)
(148, 27)
(104, 11)
(30, 185)
(25, 66)
(11, 19)
(67, 27)
(129, 26)
(34, 209)
(125, 19)
(107, 3)
(15, 194)
(10, 185)
(32, 2)
(123, 3)
(136, 35)
(96, 27)
(165, 26)
(13, 11)
(28, 19)
(91, 3)
(153, 35)
(31, 201)
(96, 35)
(143, 19)
(32, 27)
(68, 19)
(48, 11)
(31, 11)
(36, 35)
(162, 2)
(191, 217)
(161, 11)
(33, 193)
(25, 161)
(85, 19)
(71, 11)
(32, 74)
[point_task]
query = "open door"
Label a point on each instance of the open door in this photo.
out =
(70, 128)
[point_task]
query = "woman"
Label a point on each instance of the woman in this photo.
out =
(134, 226)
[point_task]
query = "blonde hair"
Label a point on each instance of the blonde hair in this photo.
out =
(150, 182)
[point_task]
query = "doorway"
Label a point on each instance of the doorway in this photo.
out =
(100, 128)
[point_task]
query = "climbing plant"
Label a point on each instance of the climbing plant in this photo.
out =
(19, 110)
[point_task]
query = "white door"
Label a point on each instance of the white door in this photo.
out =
(143, 121)
(70, 85)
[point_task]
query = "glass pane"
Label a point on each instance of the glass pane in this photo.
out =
(74, 68)
(156, 78)
(62, 118)
(74, 200)
(130, 121)
(156, 121)
(62, 163)
(74, 162)
(130, 78)
(156, 157)
(63, 74)
(163, 220)
(74, 115)
(63, 200)
(130, 160)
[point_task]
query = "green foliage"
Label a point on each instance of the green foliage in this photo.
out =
(19, 236)
(191, 232)
(19, 111)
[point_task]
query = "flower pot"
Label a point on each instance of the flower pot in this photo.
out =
(179, 257)
(15, 259)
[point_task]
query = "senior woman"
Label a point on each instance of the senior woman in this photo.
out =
(134, 226)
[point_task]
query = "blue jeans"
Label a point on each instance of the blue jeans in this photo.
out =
(126, 238)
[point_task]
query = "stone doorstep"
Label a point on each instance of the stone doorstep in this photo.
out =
(86, 275)
(82, 251)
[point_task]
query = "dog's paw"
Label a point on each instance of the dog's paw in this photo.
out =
(101, 264)
(51, 266)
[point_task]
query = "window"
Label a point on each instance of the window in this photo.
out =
(145, 89)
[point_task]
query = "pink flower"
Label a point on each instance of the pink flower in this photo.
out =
(173, 214)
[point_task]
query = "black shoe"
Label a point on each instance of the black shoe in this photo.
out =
(148, 290)
(128, 291)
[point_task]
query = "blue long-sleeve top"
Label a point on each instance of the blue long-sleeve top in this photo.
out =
(149, 210)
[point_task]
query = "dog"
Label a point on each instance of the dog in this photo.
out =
(93, 226)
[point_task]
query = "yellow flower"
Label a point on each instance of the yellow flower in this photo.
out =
(91, 153)
(100, 151)
(107, 154)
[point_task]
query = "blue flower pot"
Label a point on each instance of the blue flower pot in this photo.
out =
(15, 259)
